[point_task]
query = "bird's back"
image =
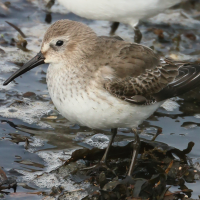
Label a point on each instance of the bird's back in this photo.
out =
(137, 75)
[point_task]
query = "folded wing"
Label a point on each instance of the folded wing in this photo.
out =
(140, 77)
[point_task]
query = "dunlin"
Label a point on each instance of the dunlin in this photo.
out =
(105, 82)
(123, 11)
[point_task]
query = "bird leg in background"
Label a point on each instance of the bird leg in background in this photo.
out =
(48, 17)
(50, 4)
(114, 27)
(138, 35)
(136, 147)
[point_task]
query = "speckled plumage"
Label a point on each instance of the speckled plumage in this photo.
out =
(104, 82)
(140, 89)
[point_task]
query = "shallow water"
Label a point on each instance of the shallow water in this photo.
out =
(52, 138)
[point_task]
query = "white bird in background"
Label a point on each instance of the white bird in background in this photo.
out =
(118, 11)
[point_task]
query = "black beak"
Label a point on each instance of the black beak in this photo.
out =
(34, 62)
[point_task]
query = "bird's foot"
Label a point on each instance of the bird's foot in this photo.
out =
(97, 169)
(100, 166)
(138, 35)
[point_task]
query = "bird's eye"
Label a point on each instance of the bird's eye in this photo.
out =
(59, 43)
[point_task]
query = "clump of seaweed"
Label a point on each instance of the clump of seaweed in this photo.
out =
(158, 167)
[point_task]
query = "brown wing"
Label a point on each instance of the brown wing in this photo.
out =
(140, 89)
(137, 70)
(139, 77)
(124, 58)
(134, 59)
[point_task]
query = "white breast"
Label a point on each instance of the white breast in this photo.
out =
(125, 11)
(90, 106)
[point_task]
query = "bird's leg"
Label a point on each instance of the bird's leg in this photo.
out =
(138, 35)
(102, 163)
(50, 4)
(104, 158)
(136, 147)
(48, 17)
(114, 27)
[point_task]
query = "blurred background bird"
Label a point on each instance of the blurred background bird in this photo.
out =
(118, 11)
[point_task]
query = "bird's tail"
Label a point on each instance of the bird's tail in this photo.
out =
(188, 79)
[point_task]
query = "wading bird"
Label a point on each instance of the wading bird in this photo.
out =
(105, 82)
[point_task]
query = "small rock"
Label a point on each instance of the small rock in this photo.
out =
(190, 36)
(56, 190)
(2, 51)
(26, 145)
(51, 117)
(3, 176)
(18, 157)
(28, 94)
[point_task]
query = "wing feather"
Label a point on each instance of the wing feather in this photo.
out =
(138, 74)
(145, 85)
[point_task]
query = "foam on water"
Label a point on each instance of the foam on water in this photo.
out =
(98, 140)
(53, 159)
(197, 165)
(170, 105)
(5, 68)
(35, 142)
(101, 141)
(197, 116)
(47, 179)
(28, 111)
(7, 87)
(13, 55)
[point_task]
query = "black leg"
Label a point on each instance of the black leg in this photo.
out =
(138, 35)
(136, 146)
(48, 18)
(104, 158)
(50, 4)
(114, 27)
(102, 164)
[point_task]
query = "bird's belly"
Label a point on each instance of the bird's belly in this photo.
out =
(125, 11)
(100, 111)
